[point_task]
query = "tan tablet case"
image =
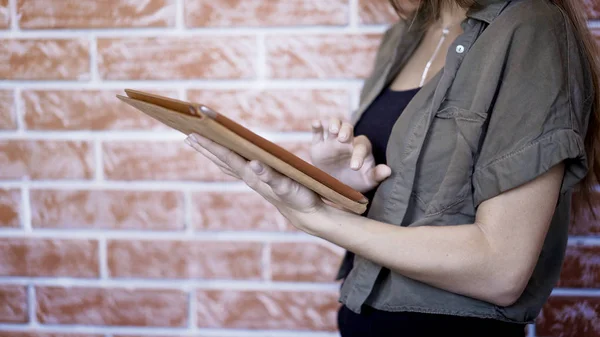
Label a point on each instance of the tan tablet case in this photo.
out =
(189, 118)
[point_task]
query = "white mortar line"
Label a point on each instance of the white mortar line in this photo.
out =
(137, 136)
(172, 284)
(159, 185)
(14, 17)
(93, 49)
(191, 32)
(18, 110)
(568, 292)
(267, 273)
(353, 15)
(531, 330)
(162, 331)
(261, 61)
(25, 213)
(103, 258)
(187, 212)
(98, 161)
(31, 306)
(192, 310)
(92, 234)
(179, 16)
(213, 84)
(594, 24)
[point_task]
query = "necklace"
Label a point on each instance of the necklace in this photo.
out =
(445, 32)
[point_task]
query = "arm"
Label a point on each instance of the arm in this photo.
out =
(491, 259)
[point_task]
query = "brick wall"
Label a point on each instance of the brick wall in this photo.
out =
(111, 226)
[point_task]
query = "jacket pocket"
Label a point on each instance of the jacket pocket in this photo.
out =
(446, 161)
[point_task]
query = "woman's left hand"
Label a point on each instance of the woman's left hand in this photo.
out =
(287, 195)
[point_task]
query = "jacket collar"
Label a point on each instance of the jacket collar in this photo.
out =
(487, 10)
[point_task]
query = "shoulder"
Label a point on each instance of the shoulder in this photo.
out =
(524, 17)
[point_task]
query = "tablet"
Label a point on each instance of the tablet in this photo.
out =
(188, 117)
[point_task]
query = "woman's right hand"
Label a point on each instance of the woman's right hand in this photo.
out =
(345, 157)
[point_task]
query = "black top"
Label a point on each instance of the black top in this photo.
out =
(376, 124)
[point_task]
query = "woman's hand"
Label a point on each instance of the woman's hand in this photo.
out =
(345, 157)
(288, 196)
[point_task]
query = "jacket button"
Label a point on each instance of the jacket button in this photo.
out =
(460, 49)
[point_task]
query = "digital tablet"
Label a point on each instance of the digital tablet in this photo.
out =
(188, 118)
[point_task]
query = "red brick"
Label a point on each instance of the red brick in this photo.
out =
(46, 159)
(48, 257)
(8, 113)
(48, 59)
(584, 224)
(335, 56)
(305, 261)
(372, 12)
(84, 110)
(278, 310)
(570, 317)
(162, 58)
(234, 211)
(276, 110)
(227, 13)
(111, 306)
(10, 203)
(98, 209)
(593, 8)
(184, 259)
(4, 14)
(174, 161)
(581, 268)
(14, 304)
(44, 14)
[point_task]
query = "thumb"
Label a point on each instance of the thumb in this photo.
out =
(381, 172)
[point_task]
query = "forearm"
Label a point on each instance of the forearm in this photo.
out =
(455, 258)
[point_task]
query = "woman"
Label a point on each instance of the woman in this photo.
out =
(477, 124)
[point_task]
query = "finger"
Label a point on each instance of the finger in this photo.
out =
(334, 127)
(381, 172)
(317, 131)
(231, 159)
(362, 148)
(346, 133)
(212, 158)
(280, 184)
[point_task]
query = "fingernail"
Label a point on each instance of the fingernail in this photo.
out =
(256, 167)
(354, 164)
(343, 135)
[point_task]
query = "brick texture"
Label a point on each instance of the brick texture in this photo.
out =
(8, 115)
(304, 262)
(44, 160)
(227, 13)
(321, 56)
(14, 304)
(113, 307)
(570, 317)
(187, 259)
(84, 110)
(111, 225)
(48, 14)
(276, 110)
(234, 211)
(267, 310)
(10, 204)
(177, 58)
(48, 257)
(4, 14)
(52, 59)
(157, 210)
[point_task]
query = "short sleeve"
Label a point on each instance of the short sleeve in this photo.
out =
(540, 113)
